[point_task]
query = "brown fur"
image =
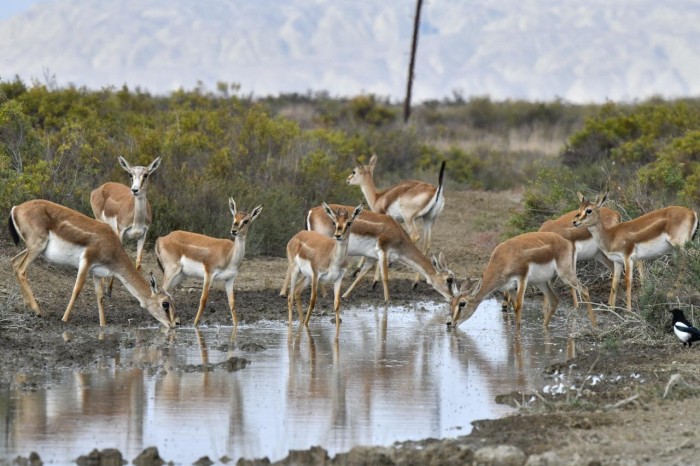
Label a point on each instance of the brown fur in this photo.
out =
(622, 239)
(36, 220)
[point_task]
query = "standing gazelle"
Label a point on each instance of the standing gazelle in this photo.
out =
(183, 254)
(535, 258)
(406, 201)
(66, 237)
(126, 209)
(319, 259)
(379, 238)
(647, 237)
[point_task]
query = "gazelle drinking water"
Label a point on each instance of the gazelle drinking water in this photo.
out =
(66, 237)
(535, 258)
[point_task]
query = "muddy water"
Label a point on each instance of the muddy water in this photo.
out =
(392, 374)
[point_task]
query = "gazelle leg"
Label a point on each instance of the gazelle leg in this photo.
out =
(20, 263)
(205, 296)
(617, 271)
(139, 251)
(427, 236)
(99, 293)
(83, 270)
(297, 297)
(629, 270)
(365, 268)
(293, 273)
(552, 302)
(384, 261)
(336, 299)
(287, 277)
(231, 300)
(522, 285)
(312, 299)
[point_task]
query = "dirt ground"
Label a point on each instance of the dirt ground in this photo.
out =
(644, 417)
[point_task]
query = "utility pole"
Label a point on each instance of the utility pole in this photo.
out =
(412, 63)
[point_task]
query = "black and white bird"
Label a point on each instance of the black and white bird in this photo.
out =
(683, 329)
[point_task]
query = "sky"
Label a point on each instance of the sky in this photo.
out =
(581, 52)
(9, 8)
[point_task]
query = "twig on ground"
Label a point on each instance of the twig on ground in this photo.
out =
(622, 402)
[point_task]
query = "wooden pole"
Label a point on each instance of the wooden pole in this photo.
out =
(412, 63)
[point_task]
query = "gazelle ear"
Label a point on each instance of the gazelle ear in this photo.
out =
(581, 199)
(357, 211)
(470, 286)
(441, 260)
(256, 212)
(153, 166)
(154, 284)
(125, 165)
(603, 198)
(232, 206)
(329, 211)
(373, 161)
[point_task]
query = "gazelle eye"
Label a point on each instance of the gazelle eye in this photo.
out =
(449, 280)
(589, 211)
(166, 305)
(145, 176)
(462, 304)
(245, 221)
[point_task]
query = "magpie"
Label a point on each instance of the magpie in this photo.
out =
(683, 329)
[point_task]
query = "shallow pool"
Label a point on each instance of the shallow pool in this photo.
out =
(392, 374)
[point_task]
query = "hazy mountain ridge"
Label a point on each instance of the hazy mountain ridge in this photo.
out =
(506, 49)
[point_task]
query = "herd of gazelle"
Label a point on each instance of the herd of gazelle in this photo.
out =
(334, 233)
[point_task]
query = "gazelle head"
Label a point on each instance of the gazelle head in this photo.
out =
(139, 175)
(161, 306)
(444, 280)
(463, 305)
(589, 212)
(342, 220)
(242, 220)
(362, 172)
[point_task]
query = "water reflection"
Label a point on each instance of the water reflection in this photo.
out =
(388, 374)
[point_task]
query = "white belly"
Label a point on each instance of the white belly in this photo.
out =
(652, 249)
(62, 252)
(541, 273)
(586, 250)
(362, 246)
(394, 211)
(192, 268)
(327, 277)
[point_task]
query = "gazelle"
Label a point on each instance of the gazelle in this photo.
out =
(405, 202)
(126, 209)
(183, 254)
(66, 237)
(534, 258)
(319, 259)
(586, 246)
(647, 237)
(378, 237)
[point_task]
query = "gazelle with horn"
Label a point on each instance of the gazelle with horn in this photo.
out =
(66, 237)
(647, 237)
(535, 258)
(183, 254)
(379, 238)
(125, 209)
(319, 258)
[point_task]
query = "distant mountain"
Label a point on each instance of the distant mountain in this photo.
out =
(531, 49)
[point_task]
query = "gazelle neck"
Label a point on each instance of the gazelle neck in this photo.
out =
(369, 190)
(134, 282)
(238, 248)
(412, 257)
(340, 253)
(140, 204)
